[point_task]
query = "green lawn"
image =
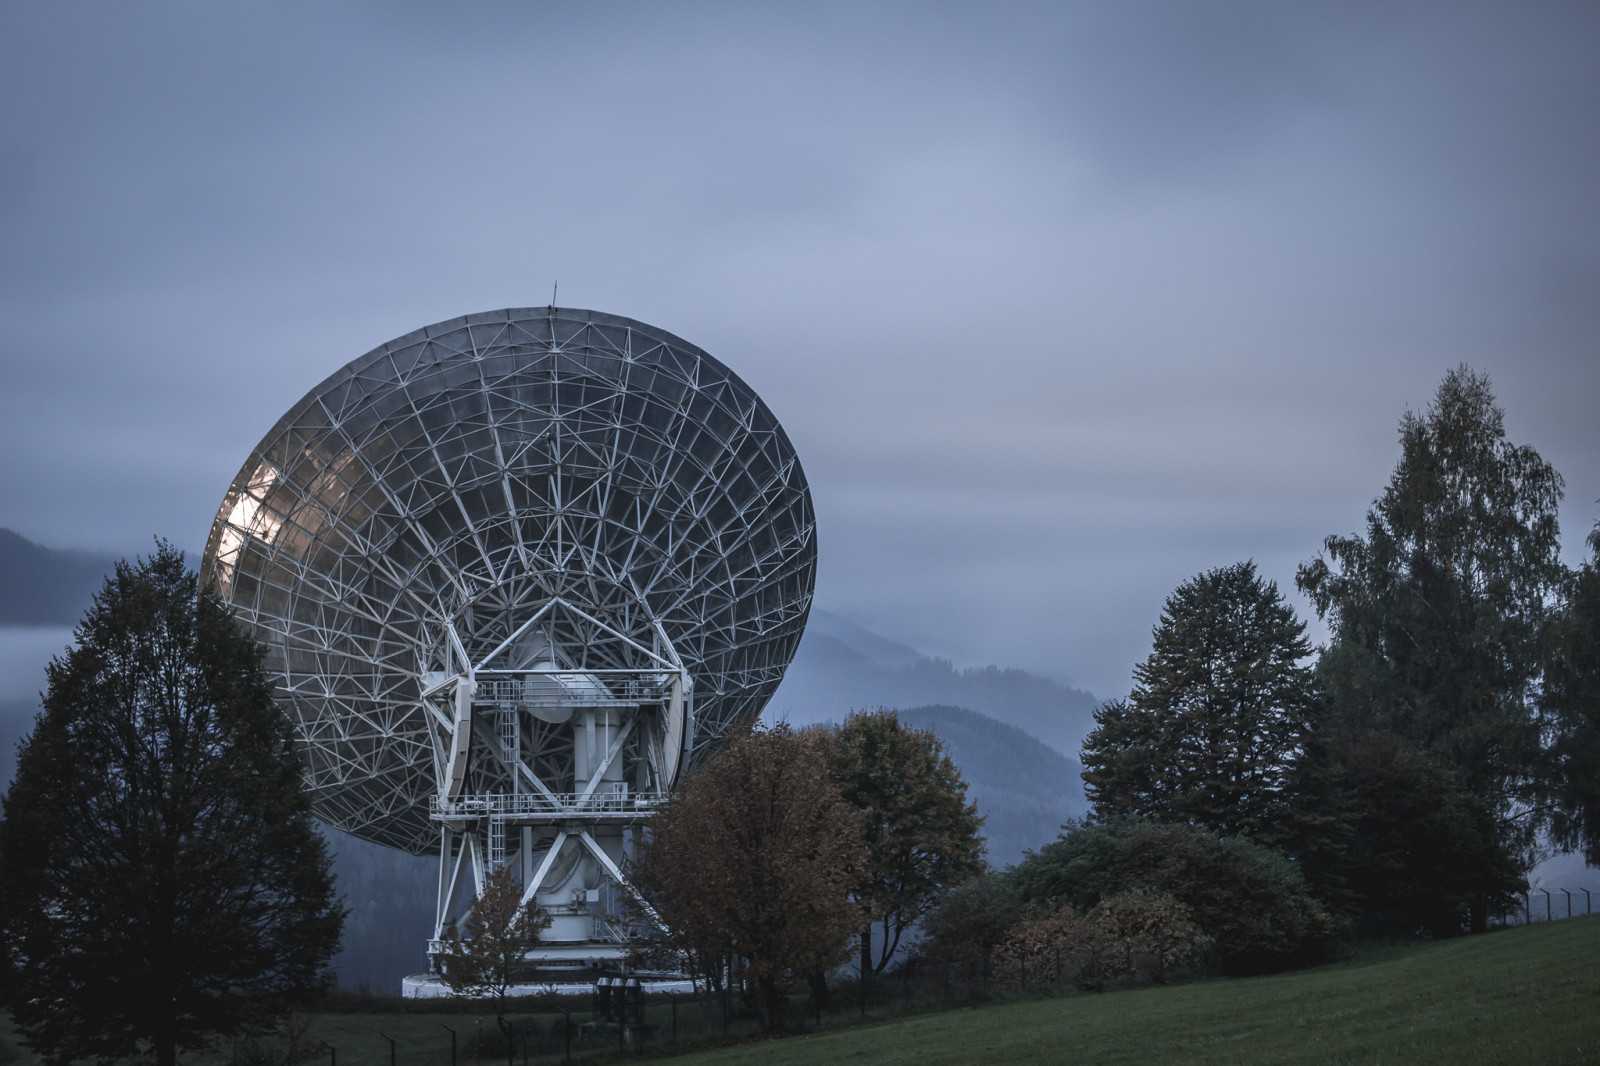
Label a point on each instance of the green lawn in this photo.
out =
(1521, 996)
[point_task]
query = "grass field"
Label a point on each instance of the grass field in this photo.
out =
(1522, 996)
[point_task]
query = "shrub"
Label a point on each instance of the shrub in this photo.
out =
(971, 920)
(1251, 900)
(1132, 935)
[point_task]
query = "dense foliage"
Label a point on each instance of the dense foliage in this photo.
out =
(756, 860)
(161, 879)
(973, 919)
(920, 832)
(1134, 880)
(1419, 851)
(1134, 934)
(1218, 712)
(1451, 724)
(1249, 898)
(1571, 700)
(1440, 614)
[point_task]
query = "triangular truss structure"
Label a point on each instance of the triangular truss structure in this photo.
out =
(514, 573)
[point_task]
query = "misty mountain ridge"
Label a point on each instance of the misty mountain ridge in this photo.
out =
(841, 667)
(1024, 789)
(42, 586)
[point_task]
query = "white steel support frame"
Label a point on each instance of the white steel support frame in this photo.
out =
(493, 805)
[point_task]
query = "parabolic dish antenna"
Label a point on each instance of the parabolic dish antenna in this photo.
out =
(514, 572)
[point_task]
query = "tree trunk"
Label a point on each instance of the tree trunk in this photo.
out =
(819, 990)
(511, 1045)
(1478, 915)
(772, 1009)
(866, 952)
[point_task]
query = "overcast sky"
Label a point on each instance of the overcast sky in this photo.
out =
(1059, 304)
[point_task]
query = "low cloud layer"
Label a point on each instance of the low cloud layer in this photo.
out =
(1060, 305)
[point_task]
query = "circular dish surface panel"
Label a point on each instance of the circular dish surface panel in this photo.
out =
(464, 475)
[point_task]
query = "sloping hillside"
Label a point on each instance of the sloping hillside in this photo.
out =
(1515, 997)
(1023, 789)
(41, 586)
(840, 667)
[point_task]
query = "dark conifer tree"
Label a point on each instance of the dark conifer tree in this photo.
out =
(161, 878)
(1218, 713)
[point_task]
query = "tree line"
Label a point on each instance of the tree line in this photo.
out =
(1403, 779)
(1253, 799)
(789, 852)
(1413, 768)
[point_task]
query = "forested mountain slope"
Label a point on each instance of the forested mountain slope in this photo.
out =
(840, 667)
(1023, 789)
(41, 586)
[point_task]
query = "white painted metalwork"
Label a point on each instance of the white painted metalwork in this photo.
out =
(514, 572)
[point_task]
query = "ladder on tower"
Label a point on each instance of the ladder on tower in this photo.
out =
(509, 733)
(497, 843)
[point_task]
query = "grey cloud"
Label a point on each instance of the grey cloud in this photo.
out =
(1060, 304)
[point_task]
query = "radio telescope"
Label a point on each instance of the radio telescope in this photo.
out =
(516, 572)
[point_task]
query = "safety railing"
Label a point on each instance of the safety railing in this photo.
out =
(568, 804)
(573, 690)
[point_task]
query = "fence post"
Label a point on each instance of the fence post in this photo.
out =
(1588, 903)
(673, 996)
(1058, 964)
(452, 1042)
(1022, 970)
(1548, 916)
(566, 1030)
(333, 1054)
(391, 1047)
(1564, 892)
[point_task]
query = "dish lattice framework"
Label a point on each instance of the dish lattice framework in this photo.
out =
(415, 510)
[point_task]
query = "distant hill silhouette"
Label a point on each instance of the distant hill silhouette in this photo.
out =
(841, 666)
(1024, 789)
(42, 586)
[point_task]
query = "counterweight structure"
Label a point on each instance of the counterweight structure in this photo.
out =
(515, 573)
